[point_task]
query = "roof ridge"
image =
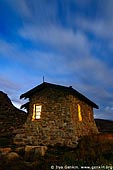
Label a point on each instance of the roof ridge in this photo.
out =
(60, 87)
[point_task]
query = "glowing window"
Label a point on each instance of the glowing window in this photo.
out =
(79, 113)
(89, 115)
(36, 111)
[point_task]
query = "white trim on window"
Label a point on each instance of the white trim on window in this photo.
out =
(36, 111)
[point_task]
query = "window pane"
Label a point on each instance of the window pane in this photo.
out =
(38, 108)
(36, 112)
(37, 116)
(79, 113)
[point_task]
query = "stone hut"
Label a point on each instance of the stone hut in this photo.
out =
(56, 115)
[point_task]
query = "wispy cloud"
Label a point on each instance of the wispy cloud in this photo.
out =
(100, 24)
(71, 41)
(100, 28)
(91, 74)
(11, 88)
(58, 37)
(39, 12)
(7, 84)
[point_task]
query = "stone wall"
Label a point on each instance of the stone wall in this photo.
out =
(59, 123)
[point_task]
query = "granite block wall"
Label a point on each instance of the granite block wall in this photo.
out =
(59, 122)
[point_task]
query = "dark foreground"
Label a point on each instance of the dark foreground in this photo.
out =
(94, 152)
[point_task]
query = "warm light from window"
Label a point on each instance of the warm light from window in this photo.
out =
(79, 113)
(36, 112)
(89, 115)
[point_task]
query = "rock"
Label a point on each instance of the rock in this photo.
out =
(10, 119)
(33, 152)
(4, 151)
(12, 156)
(20, 150)
(41, 150)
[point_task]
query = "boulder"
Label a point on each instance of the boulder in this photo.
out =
(33, 152)
(20, 150)
(12, 156)
(4, 151)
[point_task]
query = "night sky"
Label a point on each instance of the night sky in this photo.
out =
(69, 42)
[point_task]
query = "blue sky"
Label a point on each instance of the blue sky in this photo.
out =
(69, 42)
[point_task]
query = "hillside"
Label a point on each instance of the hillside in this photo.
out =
(10, 117)
(104, 125)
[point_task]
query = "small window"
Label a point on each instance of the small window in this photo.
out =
(79, 113)
(36, 111)
(89, 115)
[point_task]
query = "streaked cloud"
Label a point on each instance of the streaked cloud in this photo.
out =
(70, 42)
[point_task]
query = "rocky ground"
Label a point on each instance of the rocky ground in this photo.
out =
(92, 152)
